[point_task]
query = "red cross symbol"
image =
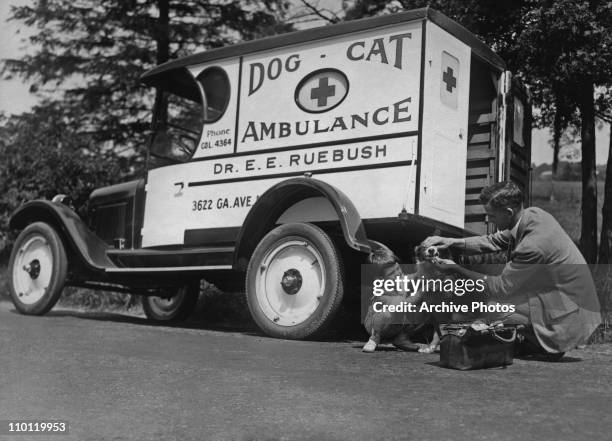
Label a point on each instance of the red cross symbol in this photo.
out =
(322, 92)
(449, 79)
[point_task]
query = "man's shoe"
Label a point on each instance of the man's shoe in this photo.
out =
(529, 349)
(429, 349)
(554, 357)
(404, 343)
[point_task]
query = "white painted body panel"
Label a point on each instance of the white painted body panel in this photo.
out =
(375, 192)
(372, 85)
(218, 138)
(373, 165)
(445, 121)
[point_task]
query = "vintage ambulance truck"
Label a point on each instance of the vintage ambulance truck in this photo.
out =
(274, 165)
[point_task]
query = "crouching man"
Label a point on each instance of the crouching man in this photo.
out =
(545, 277)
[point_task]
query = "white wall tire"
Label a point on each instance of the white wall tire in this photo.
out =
(294, 282)
(173, 309)
(37, 269)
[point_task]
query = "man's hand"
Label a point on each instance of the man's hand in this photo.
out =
(440, 242)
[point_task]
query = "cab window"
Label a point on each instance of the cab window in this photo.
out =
(177, 129)
(185, 108)
(216, 88)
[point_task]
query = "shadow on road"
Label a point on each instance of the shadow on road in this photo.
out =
(340, 332)
(118, 317)
(546, 359)
(381, 348)
(346, 329)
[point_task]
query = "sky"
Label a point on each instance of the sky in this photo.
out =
(15, 97)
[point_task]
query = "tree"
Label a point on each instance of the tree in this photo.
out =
(568, 45)
(560, 115)
(48, 161)
(605, 241)
(94, 118)
(94, 52)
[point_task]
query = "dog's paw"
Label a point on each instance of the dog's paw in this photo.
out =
(369, 347)
(428, 349)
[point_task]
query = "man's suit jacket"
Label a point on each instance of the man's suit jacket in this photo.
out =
(547, 266)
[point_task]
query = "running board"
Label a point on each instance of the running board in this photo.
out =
(153, 269)
(200, 257)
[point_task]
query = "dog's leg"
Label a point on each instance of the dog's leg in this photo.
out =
(433, 346)
(372, 343)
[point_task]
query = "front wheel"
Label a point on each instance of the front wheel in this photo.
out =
(172, 309)
(37, 269)
(294, 282)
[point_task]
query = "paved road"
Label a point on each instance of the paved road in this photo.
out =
(115, 377)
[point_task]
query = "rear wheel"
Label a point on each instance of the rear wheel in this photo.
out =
(294, 282)
(37, 269)
(172, 309)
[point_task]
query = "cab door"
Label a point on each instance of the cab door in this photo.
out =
(194, 121)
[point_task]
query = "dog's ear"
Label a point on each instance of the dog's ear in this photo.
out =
(381, 255)
(416, 257)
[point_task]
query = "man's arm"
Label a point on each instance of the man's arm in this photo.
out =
(491, 243)
(513, 278)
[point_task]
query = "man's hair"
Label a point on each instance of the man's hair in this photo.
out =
(502, 195)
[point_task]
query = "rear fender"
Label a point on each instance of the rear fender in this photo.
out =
(272, 204)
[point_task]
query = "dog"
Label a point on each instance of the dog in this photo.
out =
(385, 325)
(426, 259)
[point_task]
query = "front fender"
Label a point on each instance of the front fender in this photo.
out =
(73, 231)
(278, 198)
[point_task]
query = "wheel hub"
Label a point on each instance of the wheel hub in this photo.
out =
(291, 281)
(33, 269)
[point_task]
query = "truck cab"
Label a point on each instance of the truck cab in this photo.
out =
(276, 165)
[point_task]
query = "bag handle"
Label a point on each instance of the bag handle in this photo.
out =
(502, 339)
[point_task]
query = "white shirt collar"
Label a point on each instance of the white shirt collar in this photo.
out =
(514, 229)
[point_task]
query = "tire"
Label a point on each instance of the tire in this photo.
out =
(294, 282)
(37, 269)
(174, 309)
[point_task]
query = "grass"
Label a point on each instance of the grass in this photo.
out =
(560, 198)
(90, 299)
(4, 287)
